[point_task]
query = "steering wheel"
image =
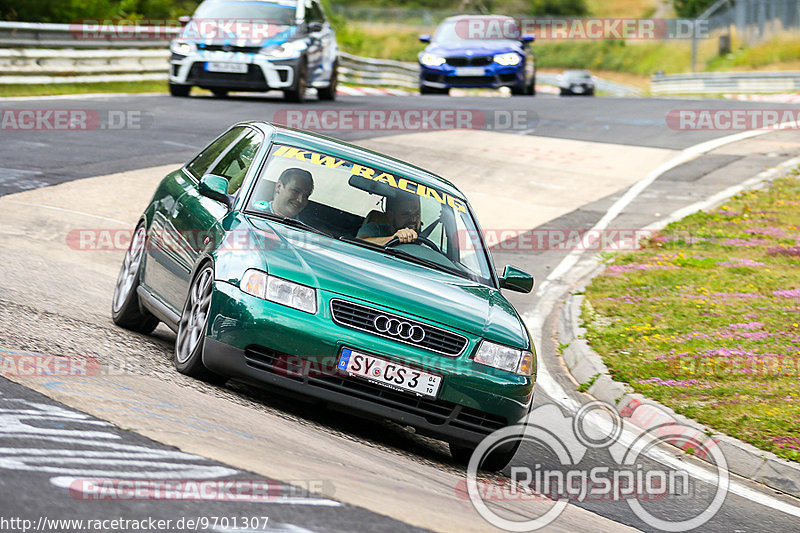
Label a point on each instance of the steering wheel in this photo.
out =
(419, 240)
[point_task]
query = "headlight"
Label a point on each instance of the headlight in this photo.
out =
(281, 51)
(266, 287)
(182, 48)
(431, 60)
(508, 59)
(505, 358)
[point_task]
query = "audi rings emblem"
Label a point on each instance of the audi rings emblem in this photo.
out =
(398, 328)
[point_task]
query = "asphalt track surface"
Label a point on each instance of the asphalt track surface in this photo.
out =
(174, 129)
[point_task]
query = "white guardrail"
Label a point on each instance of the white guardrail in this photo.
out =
(726, 82)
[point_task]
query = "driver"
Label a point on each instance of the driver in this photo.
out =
(402, 213)
(294, 187)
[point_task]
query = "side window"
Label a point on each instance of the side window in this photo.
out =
(237, 161)
(314, 12)
(202, 164)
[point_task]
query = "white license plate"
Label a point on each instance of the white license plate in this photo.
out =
(389, 373)
(234, 68)
(470, 71)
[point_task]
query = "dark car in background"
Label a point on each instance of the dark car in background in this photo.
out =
(477, 51)
(256, 45)
(576, 82)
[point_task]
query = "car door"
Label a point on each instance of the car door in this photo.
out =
(181, 231)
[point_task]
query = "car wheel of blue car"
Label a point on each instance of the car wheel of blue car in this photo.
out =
(192, 327)
(125, 309)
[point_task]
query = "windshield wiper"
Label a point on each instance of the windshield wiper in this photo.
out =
(405, 255)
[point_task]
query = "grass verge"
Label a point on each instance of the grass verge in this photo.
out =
(83, 88)
(706, 317)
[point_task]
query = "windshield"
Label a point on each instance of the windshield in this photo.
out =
(488, 29)
(278, 13)
(354, 203)
(577, 75)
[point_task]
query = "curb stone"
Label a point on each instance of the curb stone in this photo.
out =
(584, 363)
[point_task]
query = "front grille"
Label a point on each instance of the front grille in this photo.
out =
(360, 317)
(229, 48)
(477, 61)
(254, 78)
(469, 80)
(437, 412)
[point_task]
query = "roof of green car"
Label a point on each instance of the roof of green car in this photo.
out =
(312, 141)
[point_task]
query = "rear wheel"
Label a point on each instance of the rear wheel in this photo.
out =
(494, 462)
(179, 90)
(220, 93)
(329, 92)
(298, 92)
(125, 309)
(191, 335)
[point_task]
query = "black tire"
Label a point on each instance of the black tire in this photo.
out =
(424, 89)
(532, 87)
(297, 93)
(220, 93)
(125, 308)
(179, 90)
(190, 341)
(494, 462)
(329, 92)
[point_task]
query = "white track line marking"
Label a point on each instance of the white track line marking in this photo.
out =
(535, 319)
(42, 206)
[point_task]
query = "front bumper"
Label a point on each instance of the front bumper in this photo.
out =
(262, 74)
(493, 76)
(252, 339)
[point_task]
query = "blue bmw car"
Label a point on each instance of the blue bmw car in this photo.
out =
(477, 51)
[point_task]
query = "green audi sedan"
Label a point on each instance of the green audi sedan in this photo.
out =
(302, 263)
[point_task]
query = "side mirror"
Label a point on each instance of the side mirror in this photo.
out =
(528, 38)
(216, 188)
(425, 38)
(184, 20)
(314, 27)
(516, 280)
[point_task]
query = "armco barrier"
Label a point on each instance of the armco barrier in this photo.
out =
(60, 53)
(726, 82)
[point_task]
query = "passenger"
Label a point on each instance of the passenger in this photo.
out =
(403, 222)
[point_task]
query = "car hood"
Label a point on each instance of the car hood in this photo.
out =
(373, 277)
(473, 48)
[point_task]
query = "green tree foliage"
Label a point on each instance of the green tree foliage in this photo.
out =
(65, 11)
(691, 8)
